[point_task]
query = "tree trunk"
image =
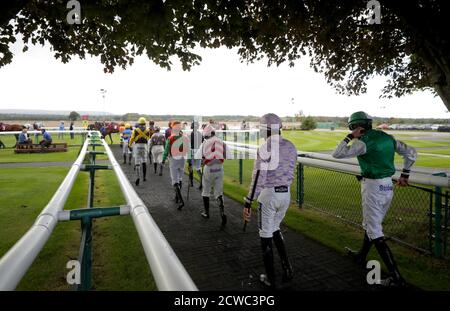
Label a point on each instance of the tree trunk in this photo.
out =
(439, 72)
(444, 93)
(428, 28)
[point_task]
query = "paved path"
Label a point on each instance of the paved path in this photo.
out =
(230, 259)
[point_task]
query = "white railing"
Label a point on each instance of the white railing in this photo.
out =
(15, 263)
(167, 270)
(418, 175)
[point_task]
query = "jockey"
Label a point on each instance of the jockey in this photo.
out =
(375, 151)
(168, 130)
(213, 151)
(125, 136)
(156, 148)
(177, 146)
(151, 128)
(121, 129)
(196, 140)
(140, 137)
(273, 173)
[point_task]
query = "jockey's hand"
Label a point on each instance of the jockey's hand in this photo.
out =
(247, 213)
(402, 181)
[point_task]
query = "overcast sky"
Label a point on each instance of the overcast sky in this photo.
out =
(220, 85)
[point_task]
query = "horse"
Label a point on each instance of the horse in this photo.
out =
(110, 128)
(11, 128)
(106, 129)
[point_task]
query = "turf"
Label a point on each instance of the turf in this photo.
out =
(119, 262)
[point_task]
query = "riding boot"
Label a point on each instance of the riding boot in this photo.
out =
(288, 273)
(199, 172)
(191, 178)
(360, 256)
(180, 197)
(395, 278)
(144, 170)
(124, 159)
(222, 210)
(176, 193)
(161, 169)
(129, 159)
(205, 213)
(137, 168)
(181, 184)
(155, 167)
(268, 279)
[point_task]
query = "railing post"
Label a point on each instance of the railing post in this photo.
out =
(300, 185)
(86, 229)
(241, 165)
(446, 224)
(438, 222)
(438, 219)
(86, 254)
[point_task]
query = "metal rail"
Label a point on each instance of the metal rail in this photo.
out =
(167, 270)
(15, 263)
(348, 166)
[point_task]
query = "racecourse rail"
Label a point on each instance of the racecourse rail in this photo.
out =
(167, 270)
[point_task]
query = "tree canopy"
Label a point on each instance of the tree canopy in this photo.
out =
(410, 46)
(73, 116)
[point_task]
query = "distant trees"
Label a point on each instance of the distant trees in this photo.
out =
(130, 116)
(308, 123)
(73, 116)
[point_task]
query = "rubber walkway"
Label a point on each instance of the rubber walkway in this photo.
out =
(230, 259)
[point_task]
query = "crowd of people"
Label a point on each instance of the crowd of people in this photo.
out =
(272, 177)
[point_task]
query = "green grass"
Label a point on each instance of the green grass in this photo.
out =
(436, 151)
(8, 156)
(119, 259)
(119, 262)
(23, 197)
(10, 140)
(316, 141)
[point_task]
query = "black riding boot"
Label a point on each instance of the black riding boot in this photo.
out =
(199, 172)
(395, 278)
(144, 170)
(360, 256)
(205, 213)
(129, 159)
(222, 210)
(155, 167)
(180, 197)
(176, 192)
(124, 159)
(288, 273)
(191, 178)
(160, 169)
(268, 279)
